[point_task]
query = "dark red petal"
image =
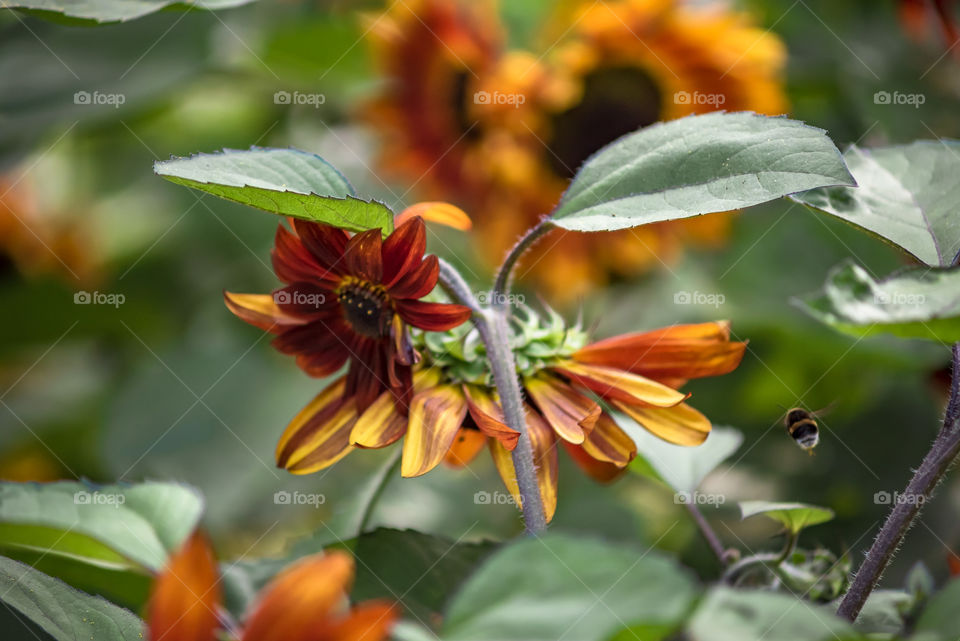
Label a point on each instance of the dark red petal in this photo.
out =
(305, 299)
(292, 262)
(315, 337)
(325, 243)
(403, 250)
(433, 317)
(418, 282)
(325, 364)
(363, 257)
(367, 377)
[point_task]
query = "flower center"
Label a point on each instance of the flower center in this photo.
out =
(365, 306)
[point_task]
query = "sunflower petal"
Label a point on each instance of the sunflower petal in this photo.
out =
(437, 212)
(305, 299)
(488, 416)
(680, 425)
(419, 281)
(380, 425)
(403, 250)
(325, 243)
(465, 448)
(432, 317)
(298, 602)
(607, 442)
(608, 382)
(319, 435)
(260, 310)
(186, 594)
(543, 442)
(435, 416)
(599, 471)
(569, 413)
(363, 255)
(292, 261)
(368, 621)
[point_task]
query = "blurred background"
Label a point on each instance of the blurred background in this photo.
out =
(119, 361)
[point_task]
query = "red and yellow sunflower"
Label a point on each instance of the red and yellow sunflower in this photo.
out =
(501, 132)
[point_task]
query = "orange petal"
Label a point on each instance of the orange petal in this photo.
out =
(488, 416)
(680, 425)
(465, 448)
(435, 416)
(185, 597)
(544, 442)
(436, 212)
(681, 351)
(599, 471)
(569, 413)
(297, 604)
(319, 435)
(260, 310)
(607, 442)
(621, 385)
(369, 621)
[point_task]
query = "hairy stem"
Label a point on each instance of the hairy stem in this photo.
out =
(501, 286)
(907, 505)
(387, 473)
(708, 533)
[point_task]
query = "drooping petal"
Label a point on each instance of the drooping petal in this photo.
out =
(599, 471)
(607, 442)
(368, 375)
(436, 212)
(403, 250)
(680, 425)
(608, 382)
(368, 621)
(292, 261)
(432, 317)
(681, 351)
(260, 310)
(363, 256)
(319, 435)
(380, 425)
(465, 448)
(305, 299)
(569, 413)
(486, 413)
(419, 281)
(435, 416)
(297, 604)
(543, 442)
(186, 594)
(321, 346)
(325, 243)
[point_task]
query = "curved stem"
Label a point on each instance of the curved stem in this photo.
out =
(769, 559)
(388, 473)
(907, 505)
(708, 533)
(501, 286)
(452, 282)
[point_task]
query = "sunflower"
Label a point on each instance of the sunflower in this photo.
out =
(351, 299)
(305, 602)
(502, 132)
(572, 389)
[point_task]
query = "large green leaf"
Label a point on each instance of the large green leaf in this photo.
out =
(907, 194)
(63, 612)
(281, 181)
(559, 587)
(104, 11)
(939, 620)
(917, 303)
(698, 165)
(793, 516)
(112, 527)
(755, 615)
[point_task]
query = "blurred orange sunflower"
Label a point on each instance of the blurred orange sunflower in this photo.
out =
(305, 602)
(502, 132)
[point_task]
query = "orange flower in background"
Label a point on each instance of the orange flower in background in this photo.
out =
(305, 602)
(502, 132)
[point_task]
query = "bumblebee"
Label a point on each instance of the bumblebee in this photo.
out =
(802, 427)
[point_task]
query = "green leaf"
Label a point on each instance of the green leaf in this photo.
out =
(907, 194)
(682, 468)
(64, 613)
(940, 619)
(916, 303)
(560, 587)
(106, 11)
(793, 516)
(883, 612)
(759, 615)
(113, 527)
(698, 165)
(287, 182)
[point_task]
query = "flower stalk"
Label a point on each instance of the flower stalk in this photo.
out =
(943, 452)
(501, 285)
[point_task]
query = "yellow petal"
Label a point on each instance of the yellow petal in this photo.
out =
(488, 416)
(569, 413)
(436, 212)
(380, 425)
(544, 442)
(435, 416)
(607, 442)
(680, 425)
(621, 385)
(260, 310)
(319, 435)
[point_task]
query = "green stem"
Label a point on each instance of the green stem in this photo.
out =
(501, 286)
(387, 473)
(771, 560)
